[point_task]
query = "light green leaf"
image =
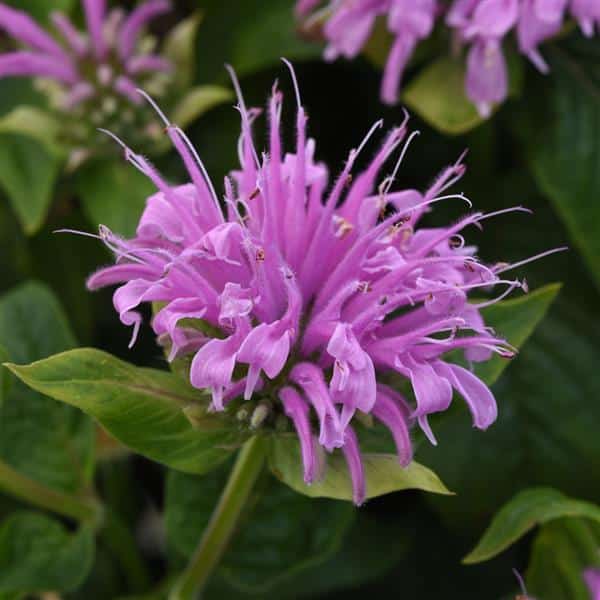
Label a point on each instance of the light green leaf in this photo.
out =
(28, 172)
(113, 194)
(515, 320)
(521, 514)
(383, 473)
(49, 442)
(38, 554)
(179, 48)
(437, 94)
(198, 101)
(142, 408)
(561, 551)
(281, 535)
(35, 123)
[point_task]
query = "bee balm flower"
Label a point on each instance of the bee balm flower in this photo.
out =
(592, 580)
(481, 24)
(306, 295)
(91, 77)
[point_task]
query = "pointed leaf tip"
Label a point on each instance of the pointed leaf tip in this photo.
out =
(534, 506)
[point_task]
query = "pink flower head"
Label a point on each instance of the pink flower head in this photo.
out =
(592, 580)
(315, 291)
(97, 72)
(587, 13)
(349, 26)
(480, 24)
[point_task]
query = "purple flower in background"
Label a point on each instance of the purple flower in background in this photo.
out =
(306, 294)
(92, 74)
(592, 580)
(481, 25)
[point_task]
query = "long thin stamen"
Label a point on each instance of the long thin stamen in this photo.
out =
(289, 65)
(531, 259)
(504, 211)
(504, 294)
(390, 180)
(377, 125)
(77, 232)
(243, 109)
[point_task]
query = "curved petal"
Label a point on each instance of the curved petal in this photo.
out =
(297, 410)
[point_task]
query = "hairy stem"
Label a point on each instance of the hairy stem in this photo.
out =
(223, 521)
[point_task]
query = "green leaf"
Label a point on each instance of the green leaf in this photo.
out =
(41, 9)
(114, 194)
(281, 534)
(370, 547)
(33, 324)
(560, 128)
(179, 48)
(437, 94)
(198, 101)
(515, 320)
(560, 553)
(526, 510)
(28, 172)
(38, 554)
(546, 424)
(5, 378)
(35, 123)
(252, 37)
(142, 408)
(52, 443)
(383, 473)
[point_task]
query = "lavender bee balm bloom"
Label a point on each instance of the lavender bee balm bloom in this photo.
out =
(482, 25)
(307, 294)
(592, 580)
(91, 77)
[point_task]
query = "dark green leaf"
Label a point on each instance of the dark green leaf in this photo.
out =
(28, 172)
(383, 473)
(38, 554)
(561, 132)
(515, 320)
(51, 443)
(33, 324)
(142, 408)
(561, 552)
(369, 549)
(545, 425)
(281, 535)
(526, 510)
(253, 36)
(41, 9)
(114, 194)
(5, 378)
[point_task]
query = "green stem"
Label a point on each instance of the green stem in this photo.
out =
(68, 505)
(223, 521)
